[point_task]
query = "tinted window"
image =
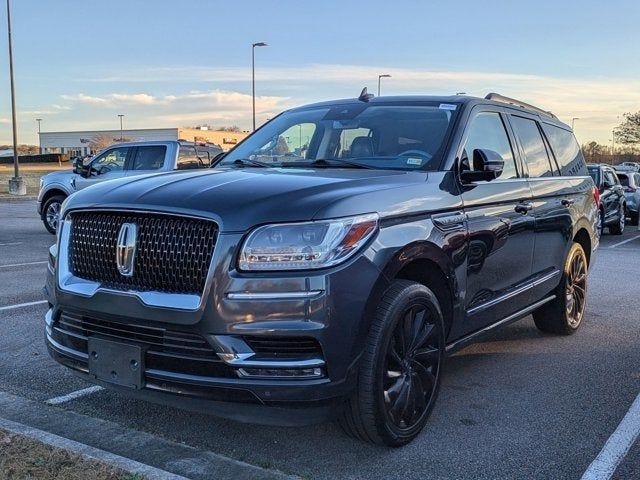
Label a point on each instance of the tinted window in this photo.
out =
(190, 157)
(611, 177)
(535, 153)
(110, 161)
(595, 174)
(149, 158)
(566, 150)
(487, 132)
(624, 180)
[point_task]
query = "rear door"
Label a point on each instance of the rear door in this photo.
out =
(500, 242)
(557, 198)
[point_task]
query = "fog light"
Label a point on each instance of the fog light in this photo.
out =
(281, 372)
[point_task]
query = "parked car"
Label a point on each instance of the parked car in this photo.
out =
(288, 288)
(120, 160)
(612, 200)
(634, 165)
(631, 183)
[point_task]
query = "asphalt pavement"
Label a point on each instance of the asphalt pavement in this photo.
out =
(521, 404)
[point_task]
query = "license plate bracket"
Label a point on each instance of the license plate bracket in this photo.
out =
(118, 363)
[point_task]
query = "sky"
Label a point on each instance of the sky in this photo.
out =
(78, 63)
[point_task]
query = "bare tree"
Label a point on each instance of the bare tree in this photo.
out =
(232, 128)
(100, 142)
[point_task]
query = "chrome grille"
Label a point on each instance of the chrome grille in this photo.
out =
(173, 253)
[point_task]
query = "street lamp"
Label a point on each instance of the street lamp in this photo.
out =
(386, 75)
(253, 78)
(39, 142)
(121, 115)
(16, 184)
(573, 122)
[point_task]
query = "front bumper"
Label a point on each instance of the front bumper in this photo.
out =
(332, 313)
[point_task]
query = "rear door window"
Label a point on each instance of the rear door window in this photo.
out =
(533, 147)
(624, 180)
(566, 150)
(149, 158)
(190, 157)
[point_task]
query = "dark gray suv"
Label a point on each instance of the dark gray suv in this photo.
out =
(329, 263)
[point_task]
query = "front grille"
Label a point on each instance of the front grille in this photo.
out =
(172, 255)
(167, 350)
(284, 346)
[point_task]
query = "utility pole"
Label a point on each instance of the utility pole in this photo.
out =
(39, 141)
(253, 78)
(16, 184)
(386, 75)
(121, 115)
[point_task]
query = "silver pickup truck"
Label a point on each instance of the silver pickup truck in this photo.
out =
(117, 161)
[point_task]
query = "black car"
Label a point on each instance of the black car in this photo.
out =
(613, 205)
(329, 263)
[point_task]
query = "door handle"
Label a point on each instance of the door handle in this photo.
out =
(567, 202)
(523, 208)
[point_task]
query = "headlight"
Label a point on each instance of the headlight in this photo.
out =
(310, 245)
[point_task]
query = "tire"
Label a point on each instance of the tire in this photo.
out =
(634, 218)
(564, 314)
(618, 228)
(600, 226)
(50, 213)
(400, 370)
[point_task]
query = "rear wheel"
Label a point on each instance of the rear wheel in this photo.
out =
(618, 227)
(564, 314)
(400, 371)
(51, 213)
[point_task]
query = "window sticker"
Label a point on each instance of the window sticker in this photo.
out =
(414, 161)
(448, 106)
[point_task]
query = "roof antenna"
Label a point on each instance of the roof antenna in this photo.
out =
(364, 96)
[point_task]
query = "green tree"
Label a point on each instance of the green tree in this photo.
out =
(628, 132)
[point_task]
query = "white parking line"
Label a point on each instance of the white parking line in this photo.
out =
(73, 395)
(625, 241)
(20, 305)
(10, 244)
(22, 264)
(619, 443)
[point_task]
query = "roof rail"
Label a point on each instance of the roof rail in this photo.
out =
(496, 97)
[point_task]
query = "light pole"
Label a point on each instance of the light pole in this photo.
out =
(121, 115)
(253, 78)
(385, 75)
(573, 122)
(39, 142)
(16, 184)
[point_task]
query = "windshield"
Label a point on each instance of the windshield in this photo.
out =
(404, 137)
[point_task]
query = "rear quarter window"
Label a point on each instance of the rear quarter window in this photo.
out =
(566, 150)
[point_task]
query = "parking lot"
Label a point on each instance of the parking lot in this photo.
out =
(521, 404)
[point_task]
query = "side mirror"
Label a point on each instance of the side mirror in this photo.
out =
(487, 165)
(77, 165)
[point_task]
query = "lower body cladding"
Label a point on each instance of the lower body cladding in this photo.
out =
(281, 358)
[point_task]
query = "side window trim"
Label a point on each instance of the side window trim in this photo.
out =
(473, 114)
(555, 165)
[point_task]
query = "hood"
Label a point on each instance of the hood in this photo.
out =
(239, 198)
(58, 176)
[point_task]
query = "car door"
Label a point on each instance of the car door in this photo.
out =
(554, 203)
(500, 229)
(147, 159)
(610, 195)
(107, 166)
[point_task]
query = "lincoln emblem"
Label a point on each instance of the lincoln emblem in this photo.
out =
(126, 249)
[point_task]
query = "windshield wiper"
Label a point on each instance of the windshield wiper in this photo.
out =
(243, 162)
(325, 162)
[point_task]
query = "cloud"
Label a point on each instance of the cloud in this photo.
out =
(4, 120)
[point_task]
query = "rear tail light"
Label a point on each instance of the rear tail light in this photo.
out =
(596, 196)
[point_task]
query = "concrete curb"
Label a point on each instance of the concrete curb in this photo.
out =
(86, 451)
(140, 447)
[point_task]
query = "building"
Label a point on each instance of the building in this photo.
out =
(80, 143)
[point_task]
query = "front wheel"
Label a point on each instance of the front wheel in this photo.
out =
(400, 370)
(563, 315)
(51, 213)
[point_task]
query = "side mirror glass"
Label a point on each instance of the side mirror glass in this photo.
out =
(487, 165)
